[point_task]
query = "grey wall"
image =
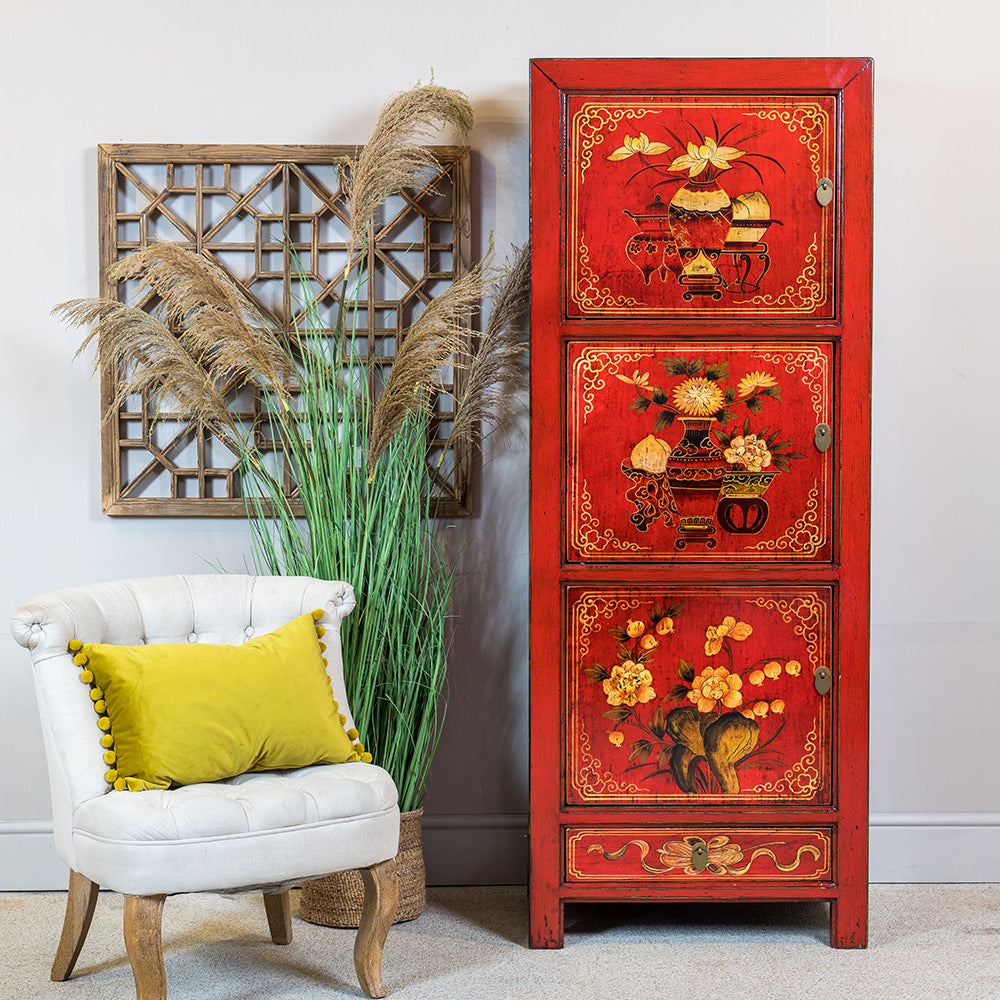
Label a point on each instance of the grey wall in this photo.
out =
(311, 71)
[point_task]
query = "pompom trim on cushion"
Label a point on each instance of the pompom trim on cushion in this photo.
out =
(101, 708)
(110, 756)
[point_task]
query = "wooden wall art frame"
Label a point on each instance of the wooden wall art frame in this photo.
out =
(235, 203)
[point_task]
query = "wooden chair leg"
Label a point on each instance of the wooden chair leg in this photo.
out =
(377, 915)
(278, 908)
(143, 916)
(81, 901)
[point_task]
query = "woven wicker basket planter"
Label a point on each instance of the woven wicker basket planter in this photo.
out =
(337, 900)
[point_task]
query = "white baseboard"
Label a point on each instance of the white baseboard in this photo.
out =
(934, 847)
(493, 850)
(28, 859)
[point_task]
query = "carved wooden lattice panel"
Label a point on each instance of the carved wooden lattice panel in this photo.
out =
(239, 205)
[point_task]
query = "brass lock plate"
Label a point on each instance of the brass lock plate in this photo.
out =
(699, 855)
(823, 437)
(823, 679)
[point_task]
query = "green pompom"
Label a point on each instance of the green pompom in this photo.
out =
(107, 741)
(317, 614)
(75, 644)
(366, 757)
(359, 747)
(120, 785)
(111, 776)
(320, 631)
(104, 723)
(96, 694)
(110, 757)
(80, 659)
(86, 676)
(100, 707)
(352, 734)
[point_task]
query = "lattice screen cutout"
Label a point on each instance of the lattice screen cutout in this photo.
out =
(235, 204)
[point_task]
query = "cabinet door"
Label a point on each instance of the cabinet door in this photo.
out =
(696, 695)
(699, 452)
(701, 205)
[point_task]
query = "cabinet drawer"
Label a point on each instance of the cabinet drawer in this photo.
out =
(703, 854)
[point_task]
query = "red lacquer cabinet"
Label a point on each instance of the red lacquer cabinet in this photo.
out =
(701, 342)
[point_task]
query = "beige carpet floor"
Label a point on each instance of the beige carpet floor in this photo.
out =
(927, 942)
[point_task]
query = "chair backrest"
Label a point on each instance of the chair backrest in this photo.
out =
(212, 608)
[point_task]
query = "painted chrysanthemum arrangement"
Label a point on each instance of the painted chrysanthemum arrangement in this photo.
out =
(703, 390)
(358, 444)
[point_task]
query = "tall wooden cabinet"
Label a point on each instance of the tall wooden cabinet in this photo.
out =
(701, 340)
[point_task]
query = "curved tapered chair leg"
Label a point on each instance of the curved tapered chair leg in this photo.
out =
(278, 908)
(81, 901)
(381, 896)
(143, 916)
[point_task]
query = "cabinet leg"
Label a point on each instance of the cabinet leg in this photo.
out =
(545, 922)
(849, 920)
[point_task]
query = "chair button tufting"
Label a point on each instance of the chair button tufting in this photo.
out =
(36, 627)
(193, 637)
(248, 631)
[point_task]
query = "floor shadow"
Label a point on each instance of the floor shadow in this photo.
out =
(810, 919)
(497, 911)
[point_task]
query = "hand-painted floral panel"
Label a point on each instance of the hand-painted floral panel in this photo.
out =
(706, 695)
(656, 854)
(698, 452)
(700, 207)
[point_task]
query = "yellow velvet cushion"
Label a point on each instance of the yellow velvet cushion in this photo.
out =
(180, 713)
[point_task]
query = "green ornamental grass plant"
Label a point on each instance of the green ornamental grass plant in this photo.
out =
(356, 445)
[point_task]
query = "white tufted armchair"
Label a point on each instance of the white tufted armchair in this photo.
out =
(266, 831)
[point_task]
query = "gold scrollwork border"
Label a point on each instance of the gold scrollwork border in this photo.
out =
(810, 611)
(805, 537)
(588, 536)
(592, 119)
(812, 124)
(804, 778)
(806, 293)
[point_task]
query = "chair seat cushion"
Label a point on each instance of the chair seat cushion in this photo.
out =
(253, 830)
